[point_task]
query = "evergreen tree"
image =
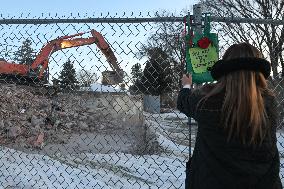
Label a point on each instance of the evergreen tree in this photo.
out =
(157, 75)
(136, 71)
(25, 53)
(170, 39)
(67, 78)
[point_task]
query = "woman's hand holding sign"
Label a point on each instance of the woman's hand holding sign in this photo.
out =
(186, 80)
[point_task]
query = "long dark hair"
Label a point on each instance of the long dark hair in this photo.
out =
(243, 111)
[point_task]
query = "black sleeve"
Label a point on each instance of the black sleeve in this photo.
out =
(272, 111)
(187, 101)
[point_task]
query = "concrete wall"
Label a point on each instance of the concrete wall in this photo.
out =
(128, 110)
(125, 130)
(151, 103)
(118, 105)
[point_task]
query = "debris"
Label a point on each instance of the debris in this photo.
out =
(23, 111)
(14, 131)
(56, 124)
(82, 125)
(36, 121)
(29, 118)
(39, 141)
(2, 124)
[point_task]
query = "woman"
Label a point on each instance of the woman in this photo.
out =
(237, 119)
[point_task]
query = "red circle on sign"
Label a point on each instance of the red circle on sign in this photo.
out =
(204, 43)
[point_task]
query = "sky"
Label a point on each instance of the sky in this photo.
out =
(14, 35)
(89, 6)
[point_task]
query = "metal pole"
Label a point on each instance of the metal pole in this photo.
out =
(197, 16)
(91, 20)
(246, 20)
(140, 20)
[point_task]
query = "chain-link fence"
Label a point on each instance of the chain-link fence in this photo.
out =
(66, 121)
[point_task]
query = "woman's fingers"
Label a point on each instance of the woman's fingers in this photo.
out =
(186, 79)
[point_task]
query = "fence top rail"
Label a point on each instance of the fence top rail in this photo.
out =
(91, 20)
(246, 20)
(136, 20)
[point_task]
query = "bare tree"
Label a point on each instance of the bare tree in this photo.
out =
(268, 38)
(86, 78)
(168, 38)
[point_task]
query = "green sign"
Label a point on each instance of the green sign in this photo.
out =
(201, 51)
(201, 59)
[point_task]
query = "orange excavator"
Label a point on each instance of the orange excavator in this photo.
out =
(37, 70)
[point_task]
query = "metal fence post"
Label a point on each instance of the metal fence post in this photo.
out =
(197, 18)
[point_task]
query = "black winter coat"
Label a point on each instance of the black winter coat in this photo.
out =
(219, 164)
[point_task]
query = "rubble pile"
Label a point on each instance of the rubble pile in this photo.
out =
(31, 120)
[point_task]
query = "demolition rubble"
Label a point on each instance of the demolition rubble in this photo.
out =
(31, 119)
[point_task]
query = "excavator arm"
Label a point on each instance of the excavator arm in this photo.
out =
(70, 41)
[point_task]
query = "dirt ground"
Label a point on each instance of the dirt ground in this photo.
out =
(68, 123)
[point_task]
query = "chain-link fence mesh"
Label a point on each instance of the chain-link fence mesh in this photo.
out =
(78, 128)
(75, 127)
